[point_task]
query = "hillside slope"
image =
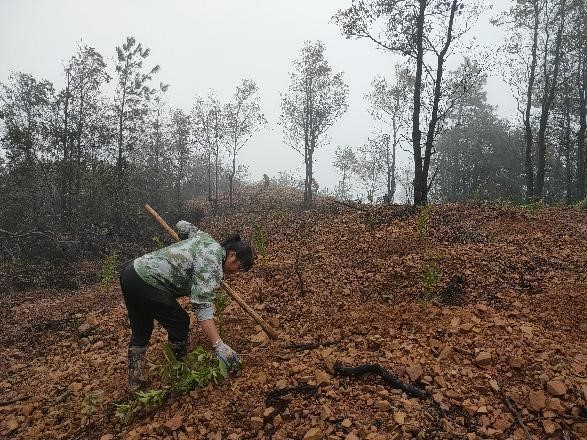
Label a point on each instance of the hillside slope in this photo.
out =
(474, 304)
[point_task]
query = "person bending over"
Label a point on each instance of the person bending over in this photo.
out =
(152, 283)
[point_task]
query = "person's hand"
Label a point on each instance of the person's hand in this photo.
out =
(226, 355)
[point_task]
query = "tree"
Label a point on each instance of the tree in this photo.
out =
(315, 100)
(387, 104)
(242, 119)
(535, 59)
(581, 86)
(179, 135)
(85, 75)
(208, 132)
(371, 164)
(346, 162)
(422, 31)
(28, 112)
(156, 148)
(132, 94)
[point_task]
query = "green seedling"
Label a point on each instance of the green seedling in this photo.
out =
(198, 369)
(533, 207)
(158, 242)
(151, 399)
(423, 219)
(108, 271)
(260, 243)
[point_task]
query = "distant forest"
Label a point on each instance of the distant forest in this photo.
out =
(79, 159)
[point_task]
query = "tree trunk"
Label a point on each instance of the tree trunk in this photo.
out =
(231, 178)
(581, 147)
(309, 172)
(549, 91)
(529, 169)
(66, 156)
(567, 147)
(419, 183)
(119, 162)
(437, 93)
(209, 176)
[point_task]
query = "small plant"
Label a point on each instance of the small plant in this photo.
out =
(533, 207)
(145, 402)
(152, 399)
(260, 242)
(198, 369)
(371, 219)
(90, 403)
(429, 279)
(108, 271)
(582, 204)
(220, 302)
(423, 219)
(158, 242)
(126, 411)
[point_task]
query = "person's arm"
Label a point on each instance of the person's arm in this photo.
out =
(209, 328)
(204, 284)
(186, 230)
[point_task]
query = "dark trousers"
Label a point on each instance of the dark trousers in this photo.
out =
(145, 303)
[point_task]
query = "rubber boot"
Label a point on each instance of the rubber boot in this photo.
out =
(180, 349)
(136, 361)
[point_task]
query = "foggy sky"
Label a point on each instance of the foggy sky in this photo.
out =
(203, 45)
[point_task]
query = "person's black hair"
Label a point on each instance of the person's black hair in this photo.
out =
(243, 250)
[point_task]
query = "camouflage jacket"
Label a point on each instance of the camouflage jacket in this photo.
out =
(192, 267)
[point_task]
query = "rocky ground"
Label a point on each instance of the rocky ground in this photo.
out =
(485, 307)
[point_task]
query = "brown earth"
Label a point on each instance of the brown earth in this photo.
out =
(504, 313)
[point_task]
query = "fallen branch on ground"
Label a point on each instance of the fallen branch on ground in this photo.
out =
(349, 205)
(516, 414)
(310, 345)
(275, 397)
(377, 369)
(18, 399)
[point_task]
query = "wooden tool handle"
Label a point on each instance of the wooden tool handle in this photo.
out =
(162, 222)
(266, 327)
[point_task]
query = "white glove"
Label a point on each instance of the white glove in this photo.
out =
(226, 354)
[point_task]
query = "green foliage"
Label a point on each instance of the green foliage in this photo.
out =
(260, 242)
(151, 399)
(582, 204)
(423, 219)
(144, 402)
(371, 219)
(533, 207)
(108, 271)
(430, 278)
(127, 411)
(158, 242)
(220, 302)
(90, 403)
(197, 370)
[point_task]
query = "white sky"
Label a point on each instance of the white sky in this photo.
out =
(212, 44)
